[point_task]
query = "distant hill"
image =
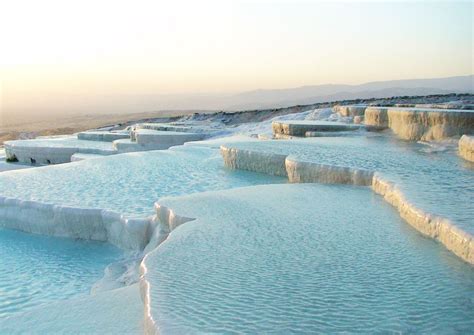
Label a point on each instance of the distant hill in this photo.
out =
(274, 98)
(115, 104)
(320, 93)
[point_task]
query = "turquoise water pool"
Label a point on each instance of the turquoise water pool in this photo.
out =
(306, 259)
(37, 270)
(266, 259)
(431, 176)
(129, 183)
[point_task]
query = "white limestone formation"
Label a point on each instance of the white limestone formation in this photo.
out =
(82, 223)
(62, 150)
(309, 172)
(453, 238)
(376, 118)
(466, 147)
(358, 119)
(165, 127)
(257, 161)
(104, 136)
(300, 128)
(53, 151)
(420, 124)
(353, 110)
(147, 139)
(163, 223)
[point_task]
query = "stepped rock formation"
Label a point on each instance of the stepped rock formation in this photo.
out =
(420, 124)
(354, 110)
(466, 147)
(148, 139)
(286, 238)
(105, 136)
(62, 150)
(453, 238)
(300, 128)
(53, 151)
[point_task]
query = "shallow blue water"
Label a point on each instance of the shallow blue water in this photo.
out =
(432, 177)
(63, 142)
(304, 258)
(128, 183)
(36, 269)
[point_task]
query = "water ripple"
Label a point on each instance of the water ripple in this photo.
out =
(36, 269)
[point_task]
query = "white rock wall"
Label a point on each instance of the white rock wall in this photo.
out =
(103, 136)
(39, 155)
(308, 172)
(466, 147)
(376, 118)
(83, 223)
(166, 139)
(47, 155)
(262, 162)
(453, 238)
(144, 141)
(293, 128)
(350, 110)
(165, 221)
(421, 124)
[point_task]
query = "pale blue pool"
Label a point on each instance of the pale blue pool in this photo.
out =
(36, 270)
(432, 177)
(128, 183)
(304, 259)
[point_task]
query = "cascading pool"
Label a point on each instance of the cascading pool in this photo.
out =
(37, 270)
(305, 259)
(128, 184)
(433, 178)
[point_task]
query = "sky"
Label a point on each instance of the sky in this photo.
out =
(54, 49)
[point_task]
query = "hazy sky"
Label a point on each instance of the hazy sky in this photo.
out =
(112, 47)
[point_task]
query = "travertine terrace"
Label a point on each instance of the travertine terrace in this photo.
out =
(65, 149)
(300, 128)
(420, 124)
(226, 221)
(322, 161)
(466, 147)
(54, 151)
(352, 110)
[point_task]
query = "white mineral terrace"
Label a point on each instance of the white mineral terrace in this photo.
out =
(425, 185)
(165, 127)
(269, 256)
(421, 124)
(111, 198)
(222, 251)
(148, 139)
(466, 147)
(353, 110)
(55, 150)
(106, 136)
(300, 128)
(8, 166)
(73, 148)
